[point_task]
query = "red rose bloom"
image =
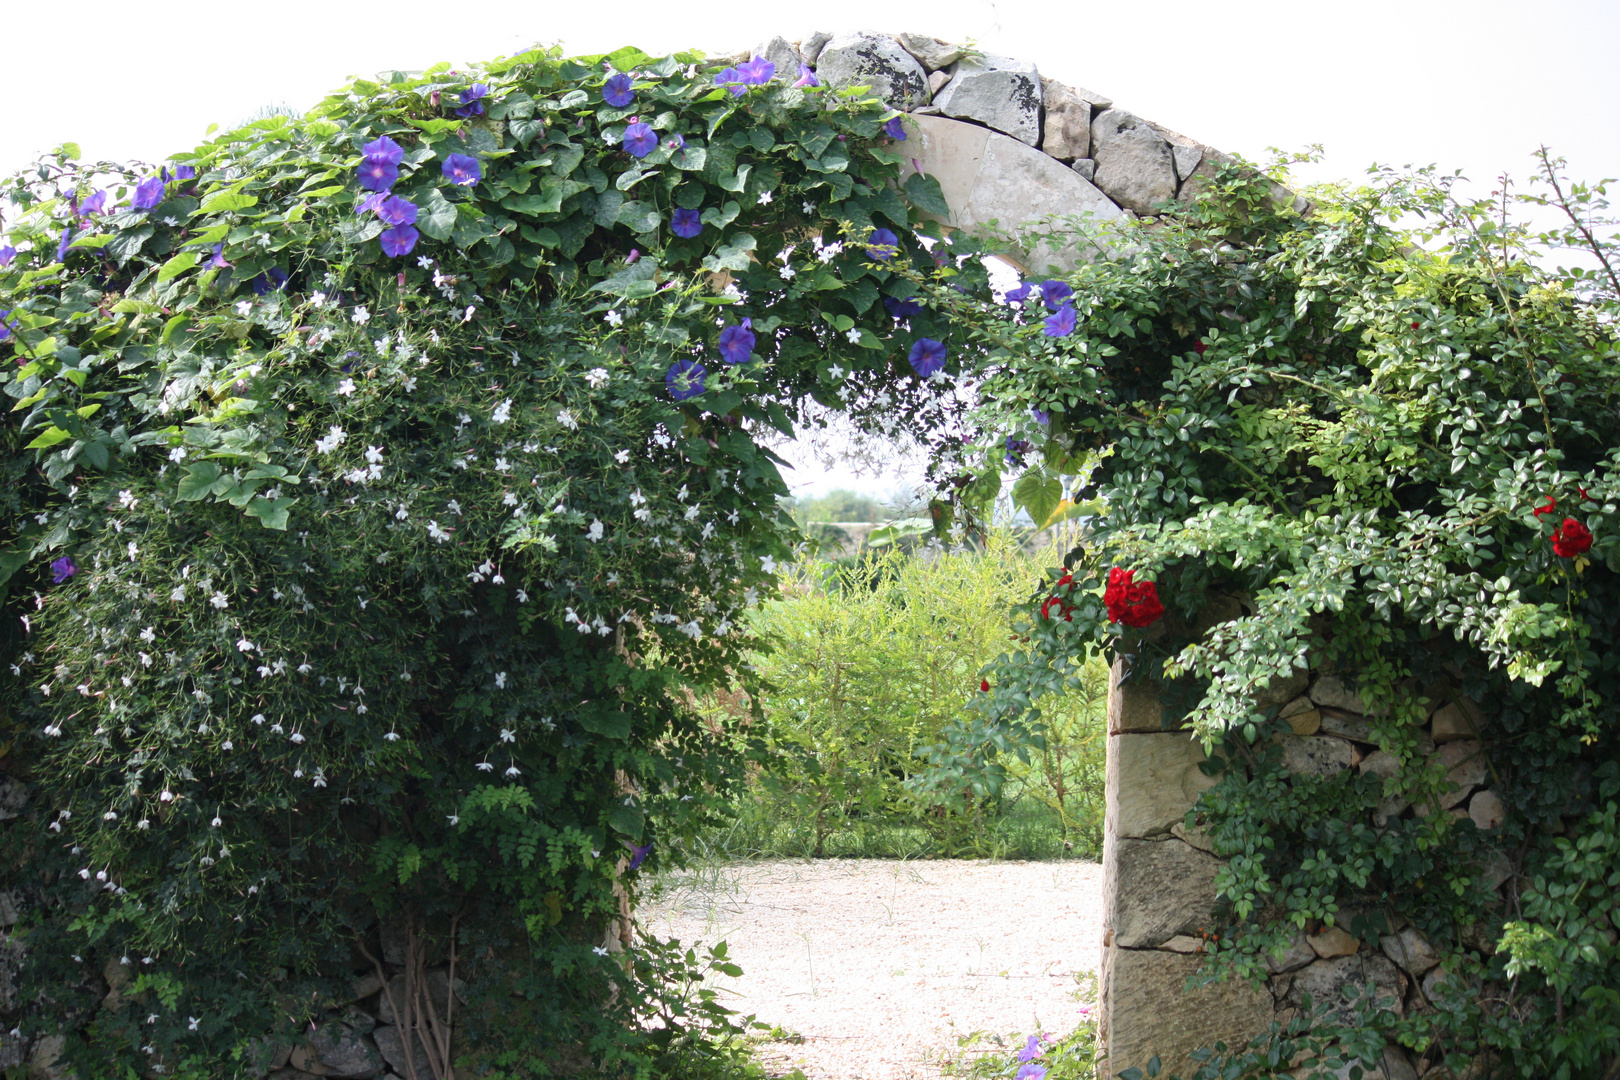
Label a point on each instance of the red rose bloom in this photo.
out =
(1571, 539)
(1547, 509)
(1199, 347)
(984, 685)
(1129, 602)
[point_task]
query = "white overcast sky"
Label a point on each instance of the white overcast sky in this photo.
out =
(1469, 84)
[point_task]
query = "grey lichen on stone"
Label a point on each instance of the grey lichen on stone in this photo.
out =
(1134, 163)
(998, 92)
(870, 59)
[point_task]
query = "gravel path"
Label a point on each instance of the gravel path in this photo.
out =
(883, 966)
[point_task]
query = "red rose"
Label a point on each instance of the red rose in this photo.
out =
(1540, 510)
(1199, 347)
(1060, 606)
(1571, 539)
(1129, 602)
(984, 685)
(1414, 326)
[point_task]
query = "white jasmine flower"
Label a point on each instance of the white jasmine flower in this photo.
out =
(512, 770)
(454, 506)
(361, 316)
(245, 645)
(127, 499)
(226, 745)
(220, 601)
(346, 387)
(192, 1023)
(410, 384)
(374, 455)
(177, 454)
(599, 951)
(166, 796)
(295, 737)
(613, 318)
(622, 456)
(467, 315)
(437, 533)
(392, 736)
(148, 634)
(595, 532)
(402, 513)
(484, 766)
(596, 377)
(109, 816)
(637, 498)
(424, 262)
(522, 597)
(764, 198)
(502, 465)
(146, 659)
(502, 413)
(317, 300)
(787, 273)
(455, 819)
(244, 308)
(133, 551)
(509, 499)
(334, 439)
(768, 564)
(854, 335)
(508, 734)
(835, 373)
(566, 419)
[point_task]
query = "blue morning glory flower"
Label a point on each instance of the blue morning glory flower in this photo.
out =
(737, 343)
(397, 211)
(7, 325)
(384, 149)
(185, 172)
(7, 253)
(1031, 1071)
(640, 139)
(370, 203)
(686, 223)
(1015, 452)
(279, 277)
(894, 129)
(472, 103)
(927, 357)
(882, 245)
(756, 72)
(619, 90)
(637, 854)
(62, 569)
(806, 77)
(95, 204)
(902, 307)
(1042, 417)
(377, 173)
(148, 193)
(463, 170)
(218, 261)
(731, 80)
(64, 244)
(1054, 292)
(1061, 322)
(684, 379)
(1032, 1049)
(400, 239)
(1020, 294)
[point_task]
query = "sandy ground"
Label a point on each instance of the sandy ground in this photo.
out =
(883, 967)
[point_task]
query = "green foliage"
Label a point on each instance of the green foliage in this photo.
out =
(393, 574)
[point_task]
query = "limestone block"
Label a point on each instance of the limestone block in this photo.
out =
(42, 1063)
(1283, 690)
(866, 58)
(438, 982)
(1139, 1019)
(1387, 766)
(810, 48)
(931, 53)
(338, 1050)
(1134, 163)
(1486, 809)
(392, 1047)
(1497, 869)
(781, 52)
(1152, 781)
(1297, 955)
(1183, 943)
(1132, 705)
(1450, 723)
(1316, 755)
(1308, 722)
(1068, 123)
(1332, 941)
(1333, 981)
(365, 986)
(1197, 836)
(937, 81)
(987, 177)
(1345, 725)
(1464, 762)
(1410, 951)
(997, 91)
(1336, 692)
(1187, 159)
(1086, 167)
(1156, 890)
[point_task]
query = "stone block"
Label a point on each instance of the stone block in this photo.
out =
(1464, 762)
(1186, 159)
(1336, 692)
(870, 59)
(1387, 766)
(1157, 889)
(931, 53)
(1139, 1019)
(1152, 781)
(339, 1050)
(1451, 722)
(937, 81)
(438, 982)
(1183, 943)
(1134, 163)
(391, 1044)
(1332, 982)
(998, 92)
(1283, 690)
(1133, 705)
(1345, 725)
(1308, 722)
(1316, 755)
(14, 795)
(1486, 809)
(1297, 955)
(992, 179)
(781, 52)
(1410, 951)
(810, 48)
(1332, 941)
(1067, 134)
(1086, 167)
(1197, 836)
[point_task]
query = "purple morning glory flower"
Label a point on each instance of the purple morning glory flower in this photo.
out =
(279, 276)
(370, 203)
(377, 174)
(737, 343)
(397, 211)
(463, 170)
(400, 239)
(756, 72)
(1031, 1050)
(684, 379)
(619, 90)
(902, 307)
(1015, 451)
(218, 261)
(66, 242)
(882, 245)
(686, 223)
(1031, 1071)
(7, 253)
(1054, 292)
(1018, 295)
(640, 139)
(148, 193)
(927, 357)
(384, 149)
(675, 142)
(1061, 322)
(95, 204)
(806, 77)
(1042, 417)
(472, 103)
(62, 569)
(731, 81)
(894, 129)
(637, 854)
(185, 172)
(6, 325)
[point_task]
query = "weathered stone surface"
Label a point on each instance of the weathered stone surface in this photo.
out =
(1086, 167)
(1183, 943)
(1332, 982)
(1134, 163)
(1152, 781)
(1316, 755)
(1451, 722)
(42, 1063)
(1298, 954)
(1067, 133)
(1345, 725)
(937, 81)
(1387, 766)
(1283, 690)
(1497, 869)
(1157, 889)
(10, 907)
(392, 1047)
(1410, 951)
(870, 59)
(1464, 761)
(342, 1051)
(1187, 159)
(1308, 722)
(989, 177)
(1336, 692)
(1332, 941)
(365, 986)
(1197, 836)
(14, 795)
(1486, 809)
(810, 48)
(1133, 704)
(780, 51)
(997, 91)
(438, 981)
(931, 53)
(1138, 1021)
